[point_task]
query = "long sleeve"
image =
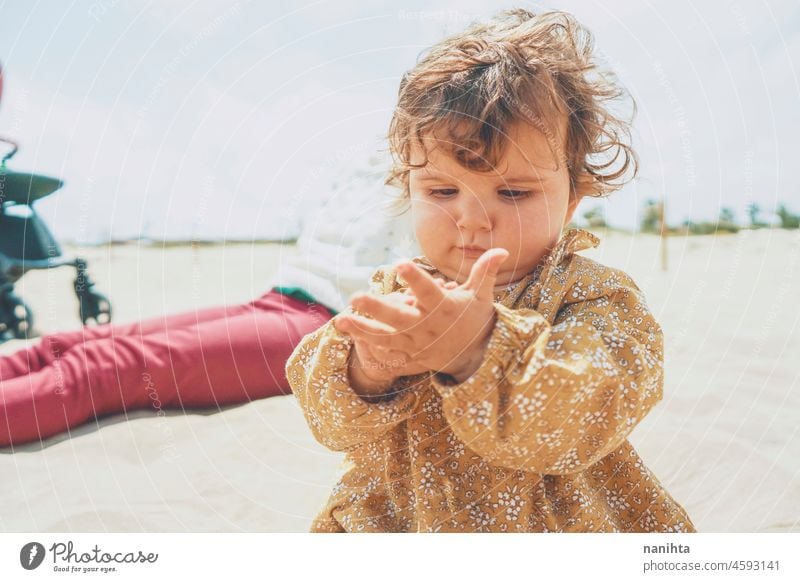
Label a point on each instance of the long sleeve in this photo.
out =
(555, 399)
(338, 417)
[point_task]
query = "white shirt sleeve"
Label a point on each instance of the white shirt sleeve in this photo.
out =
(344, 240)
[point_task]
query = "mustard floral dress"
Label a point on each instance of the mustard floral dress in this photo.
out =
(534, 441)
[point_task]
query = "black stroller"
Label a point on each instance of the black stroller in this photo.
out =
(26, 243)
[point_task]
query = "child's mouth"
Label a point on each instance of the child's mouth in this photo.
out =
(472, 252)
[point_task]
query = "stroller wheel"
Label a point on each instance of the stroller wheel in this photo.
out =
(95, 308)
(16, 318)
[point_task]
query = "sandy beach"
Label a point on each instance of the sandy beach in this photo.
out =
(725, 440)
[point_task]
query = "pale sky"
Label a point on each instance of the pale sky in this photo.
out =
(225, 119)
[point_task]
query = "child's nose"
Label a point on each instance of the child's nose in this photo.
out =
(473, 214)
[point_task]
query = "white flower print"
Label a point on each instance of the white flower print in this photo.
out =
(567, 461)
(479, 413)
(455, 447)
(530, 406)
(546, 296)
(373, 484)
(335, 413)
(429, 475)
(577, 496)
(582, 393)
(338, 377)
(578, 292)
(320, 384)
(616, 500)
(304, 358)
(614, 340)
(596, 417)
(433, 408)
(647, 521)
(481, 521)
(550, 440)
(512, 501)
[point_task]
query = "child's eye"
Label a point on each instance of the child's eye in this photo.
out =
(444, 191)
(515, 193)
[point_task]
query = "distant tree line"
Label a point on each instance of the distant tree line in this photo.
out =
(727, 221)
(651, 220)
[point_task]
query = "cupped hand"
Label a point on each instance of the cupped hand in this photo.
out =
(379, 364)
(443, 329)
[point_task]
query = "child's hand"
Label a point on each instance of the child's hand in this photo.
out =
(372, 368)
(446, 328)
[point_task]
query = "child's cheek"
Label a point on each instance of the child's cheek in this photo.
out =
(431, 224)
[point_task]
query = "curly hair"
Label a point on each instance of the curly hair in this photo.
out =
(518, 66)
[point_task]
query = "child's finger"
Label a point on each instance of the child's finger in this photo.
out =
(446, 284)
(353, 323)
(376, 334)
(424, 287)
(400, 297)
(483, 274)
(408, 298)
(389, 311)
(339, 323)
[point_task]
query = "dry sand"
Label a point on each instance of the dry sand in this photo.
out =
(725, 441)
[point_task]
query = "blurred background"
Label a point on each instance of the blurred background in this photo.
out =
(196, 120)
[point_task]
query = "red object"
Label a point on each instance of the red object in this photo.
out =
(212, 357)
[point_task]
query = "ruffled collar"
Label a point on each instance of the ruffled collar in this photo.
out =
(571, 241)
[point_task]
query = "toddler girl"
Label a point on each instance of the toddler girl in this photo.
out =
(491, 383)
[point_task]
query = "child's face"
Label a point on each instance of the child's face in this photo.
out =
(520, 206)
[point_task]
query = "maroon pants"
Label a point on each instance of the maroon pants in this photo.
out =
(200, 358)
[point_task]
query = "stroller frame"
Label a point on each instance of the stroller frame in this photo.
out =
(26, 244)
